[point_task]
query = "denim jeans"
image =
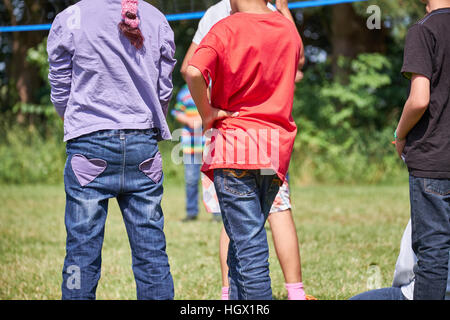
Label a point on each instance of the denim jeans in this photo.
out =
(391, 293)
(192, 166)
(245, 198)
(126, 165)
(430, 221)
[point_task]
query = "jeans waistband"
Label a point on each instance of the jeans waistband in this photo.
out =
(122, 132)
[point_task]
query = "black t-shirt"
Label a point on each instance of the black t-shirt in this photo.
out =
(427, 52)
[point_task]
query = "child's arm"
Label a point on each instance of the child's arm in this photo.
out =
(59, 49)
(282, 7)
(199, 91)
(190, 52)
(301, 63)
(191, 122)
(415, 107)
(167, 64)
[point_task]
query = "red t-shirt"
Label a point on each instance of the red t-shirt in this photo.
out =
(251, 60)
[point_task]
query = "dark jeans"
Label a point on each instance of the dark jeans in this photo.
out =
(245, 198)
(430, 220)
(391, 293)
(192, 166)
(122, 164)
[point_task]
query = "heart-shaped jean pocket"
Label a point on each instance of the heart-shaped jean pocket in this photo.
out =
(152, 168)
(87, 170)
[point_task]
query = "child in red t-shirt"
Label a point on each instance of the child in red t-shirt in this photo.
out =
(252, 77)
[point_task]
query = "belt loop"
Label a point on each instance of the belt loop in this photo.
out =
(122, 135)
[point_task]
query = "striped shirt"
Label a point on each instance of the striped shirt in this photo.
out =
(192, 140)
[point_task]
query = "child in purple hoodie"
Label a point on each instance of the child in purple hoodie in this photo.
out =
(110, 71)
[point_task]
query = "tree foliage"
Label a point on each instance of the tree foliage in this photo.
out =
(346, 107)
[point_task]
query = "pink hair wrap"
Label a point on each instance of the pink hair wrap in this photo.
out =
(129, 13)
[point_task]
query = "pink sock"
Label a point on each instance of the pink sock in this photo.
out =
(225, 293)
(295, 291)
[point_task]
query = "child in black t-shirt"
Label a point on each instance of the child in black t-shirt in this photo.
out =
(423, 141)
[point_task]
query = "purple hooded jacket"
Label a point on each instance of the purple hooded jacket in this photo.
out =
(99, 81)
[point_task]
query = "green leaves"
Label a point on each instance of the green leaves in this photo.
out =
(345, 126)
(38, 56)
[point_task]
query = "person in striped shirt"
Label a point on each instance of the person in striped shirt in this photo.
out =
(187, 114)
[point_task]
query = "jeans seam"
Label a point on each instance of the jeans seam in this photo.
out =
(413, 205)
(122, 175)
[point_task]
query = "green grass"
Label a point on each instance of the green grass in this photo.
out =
(342, 231)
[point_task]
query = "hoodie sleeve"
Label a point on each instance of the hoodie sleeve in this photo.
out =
(167, 64)
(60, 52)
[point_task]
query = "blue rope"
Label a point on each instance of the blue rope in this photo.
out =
(318, 3)
(35, 27)
(187, 16)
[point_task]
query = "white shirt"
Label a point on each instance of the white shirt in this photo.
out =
(213, 15)
(404, 268)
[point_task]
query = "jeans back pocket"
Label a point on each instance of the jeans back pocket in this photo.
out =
(152, 168)
(239, 182)
(440, 187)
(87, 170)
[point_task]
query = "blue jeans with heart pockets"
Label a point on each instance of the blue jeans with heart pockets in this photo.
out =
(126, 165)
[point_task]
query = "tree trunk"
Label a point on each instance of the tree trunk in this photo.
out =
(350, 36)
(25, 76)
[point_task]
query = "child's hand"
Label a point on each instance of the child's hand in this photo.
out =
(281, 4)
(194, 122)
(217, 114)
(400, 146)
(298, 76)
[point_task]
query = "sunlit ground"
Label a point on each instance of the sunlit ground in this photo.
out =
(343, 230)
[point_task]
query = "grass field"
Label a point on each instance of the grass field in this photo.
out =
(343, 230)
